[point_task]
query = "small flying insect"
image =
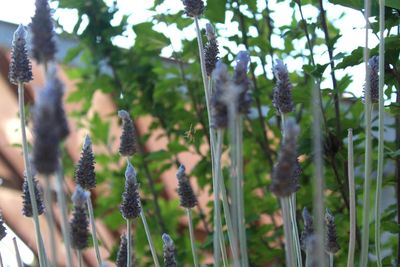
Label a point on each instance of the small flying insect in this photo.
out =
(190, 133)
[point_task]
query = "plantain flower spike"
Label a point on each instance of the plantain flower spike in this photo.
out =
(185, 191)
(193, 8)
(241, 80)
(130, 206)
(331, 244)
(122, 254)
(26, 198)
(85, 175)
(373, 76)
(79, 224)
(169, 251)
(308, 230)
(283, 181)
(282, 99)
(42, 27)
(219, 110)
(127, 145)
(20, 66)
(211, 50)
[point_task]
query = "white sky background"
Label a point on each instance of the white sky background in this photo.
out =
(351, 26)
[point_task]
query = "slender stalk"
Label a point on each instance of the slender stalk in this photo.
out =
(192, 238)
(64, 213)
(352, 194)
(202, 61)
(129, 242)
(368, 144)
(1, 261)
(378, 194)
(94, 232)
(39, 241)
(17, 254)
(318, 178)
(216, 157)
(149, 239)
(80, 260)
(225, 260)
(48, 198)
(289, 250)
(331, 258)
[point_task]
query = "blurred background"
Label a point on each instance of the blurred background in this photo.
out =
(142, 56)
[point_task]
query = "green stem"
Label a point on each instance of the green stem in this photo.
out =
(149, 239)
(64, 213)
(50, 220)
(378, 195)
(129, 242)
(292, 204)
(17, 254)
(225, 260)
(39, 241)
(289, 250)
(331, 259)
(80, 260)
(368, 148)
(217, 204)
(94, 232)
(352, 195)
(192, 237)
(1, 261)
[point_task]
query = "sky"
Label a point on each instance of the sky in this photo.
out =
(349, 21)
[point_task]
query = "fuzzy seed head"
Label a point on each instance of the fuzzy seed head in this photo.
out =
(211, 50)
(282, 99)
(187, 197)
(130, 206)
(331, 244)
(193, 8)
(122, 255)
(241, 80)
(27, 209)
(79, 224)
(219, 110)
(43, 44)
(127, 145)
(3, 230)
(85, 175)
(283, 181)
(308, 230)
(169, 251)
(373, 76)
(20, 66)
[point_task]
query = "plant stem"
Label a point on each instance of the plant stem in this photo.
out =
(352, 194)
(318, 177)
(64, 213)
(50, 220)
(290, 259)
(368, 144)
(39, 241)
(225, 260)
(1, 261)
(94, 232)
(17, 254)
(80, 260)
(331, 258)
(149, 239)
(192, 237)
(202, 61)
(129, 242)
(216, 165)
(378, 195)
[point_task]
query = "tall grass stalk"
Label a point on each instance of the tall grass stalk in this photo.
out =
(318, 198)
(80, 259)
(64, 213)
(378, 194)
(129, 242)
(48, 199)
(149, 239)
(331, 260)
(17, 254)
(368, 144)
(352, 195)
(289, 249)
(192, 237)
(39, 241)
(94, 232)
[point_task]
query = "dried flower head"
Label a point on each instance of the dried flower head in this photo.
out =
(79, 224)
(283, 89)
(211, 50)
(127, 146)
(219, 110)
(20, 66)
(187, 197)
(122, 255)
(169, 251)
(84, 173)
(45, 132)
(130, 206)
(283, 181)
(308, 230)
(331, 244)
(26, 198)
(373, 77)
(43, 44)
(193, 8)
(3, 230)
(241, 80)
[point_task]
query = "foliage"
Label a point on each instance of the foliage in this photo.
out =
(170, 90)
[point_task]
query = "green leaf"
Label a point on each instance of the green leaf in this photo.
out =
(72, 53)
(215, 11)
(355, 58)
